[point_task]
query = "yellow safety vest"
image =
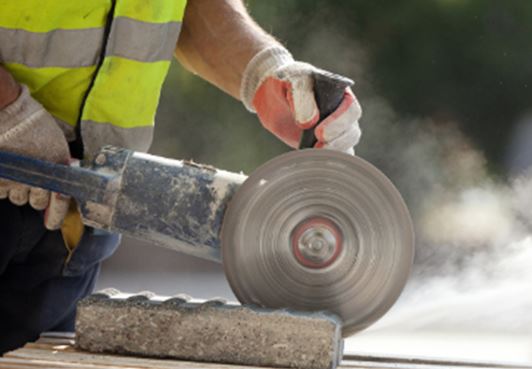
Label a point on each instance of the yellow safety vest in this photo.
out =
(99, 64)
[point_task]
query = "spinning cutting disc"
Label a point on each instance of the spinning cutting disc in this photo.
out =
(319, 230)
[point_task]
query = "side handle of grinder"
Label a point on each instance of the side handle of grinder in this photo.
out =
(328, 91)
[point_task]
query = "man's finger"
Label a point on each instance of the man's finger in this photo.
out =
(346, 141)
(342, 120)
(350, 151)
(301, 100)
(19, 194)
(4, 188)
(39, 198)
(56, 211)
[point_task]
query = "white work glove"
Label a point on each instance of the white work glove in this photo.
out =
(26, 128)
(281, 92)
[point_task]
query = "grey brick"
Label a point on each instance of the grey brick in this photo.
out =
(212, 331)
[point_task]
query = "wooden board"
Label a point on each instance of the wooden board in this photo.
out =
(57, 352)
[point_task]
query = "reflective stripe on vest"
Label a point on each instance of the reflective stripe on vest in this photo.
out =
(56, 48)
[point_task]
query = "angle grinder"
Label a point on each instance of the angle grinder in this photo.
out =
(312, 229)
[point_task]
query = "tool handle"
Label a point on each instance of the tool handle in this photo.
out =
(329, 92)
(80, 183)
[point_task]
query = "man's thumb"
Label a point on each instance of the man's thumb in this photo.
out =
(56, 211)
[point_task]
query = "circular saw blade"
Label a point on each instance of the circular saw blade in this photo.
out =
(361, 216)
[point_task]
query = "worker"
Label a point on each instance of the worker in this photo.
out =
(78, 75)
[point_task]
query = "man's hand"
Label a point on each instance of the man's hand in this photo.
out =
(26, 128)
(9, 88)
(281, 92)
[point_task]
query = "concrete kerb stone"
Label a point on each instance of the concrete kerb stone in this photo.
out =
(211, 331)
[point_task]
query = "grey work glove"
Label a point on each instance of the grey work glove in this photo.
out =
(26, 128)
(281, 92)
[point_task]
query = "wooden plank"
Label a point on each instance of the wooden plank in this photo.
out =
(65, 354)
(46, 354)
(420, 361)
(36, 364)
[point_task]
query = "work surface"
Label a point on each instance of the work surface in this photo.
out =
(58, 353)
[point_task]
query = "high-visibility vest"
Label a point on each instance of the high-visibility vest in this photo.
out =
(99, 64)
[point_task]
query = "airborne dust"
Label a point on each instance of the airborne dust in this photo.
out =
(473, 262)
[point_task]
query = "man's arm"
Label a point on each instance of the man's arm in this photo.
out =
(220, 42)
(217, 41)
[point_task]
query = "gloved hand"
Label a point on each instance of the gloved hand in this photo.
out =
(26, 128)
(281, 92)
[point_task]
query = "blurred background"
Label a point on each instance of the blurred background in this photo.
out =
(446, 89)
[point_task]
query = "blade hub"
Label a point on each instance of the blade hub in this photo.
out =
(316, 242)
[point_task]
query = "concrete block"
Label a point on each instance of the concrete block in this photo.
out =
(212, 331)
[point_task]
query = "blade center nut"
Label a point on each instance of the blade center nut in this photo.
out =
(316, 242)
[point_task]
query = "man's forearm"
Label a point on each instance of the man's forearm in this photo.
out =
(9, 88)
(217, 41)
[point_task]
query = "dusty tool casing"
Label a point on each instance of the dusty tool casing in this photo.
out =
(172, 203)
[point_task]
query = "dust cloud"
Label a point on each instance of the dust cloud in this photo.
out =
(473, 267)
